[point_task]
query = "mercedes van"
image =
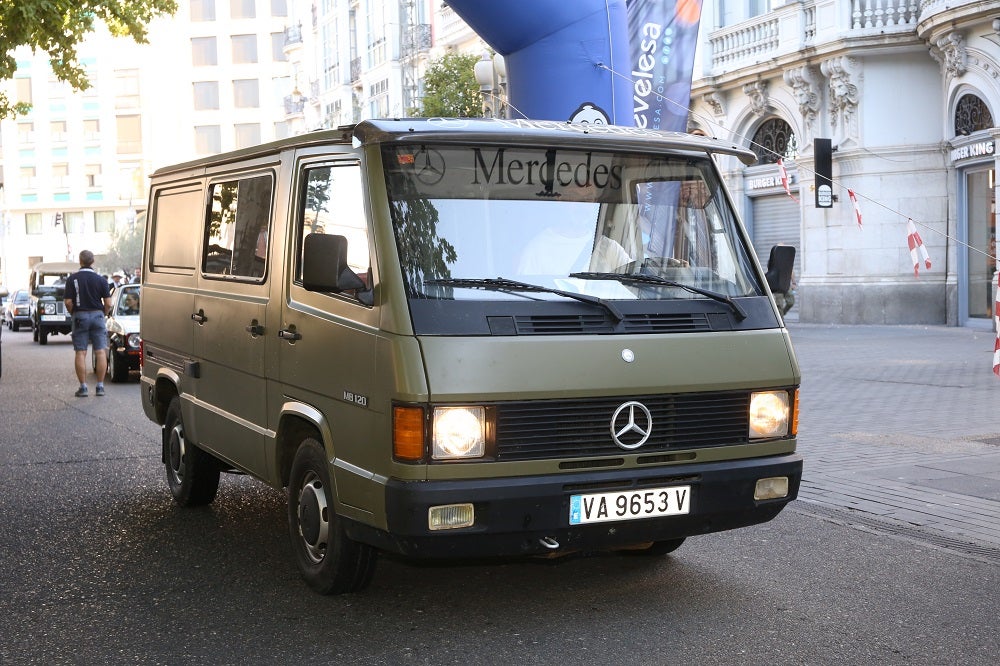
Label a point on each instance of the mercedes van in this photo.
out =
(465, 338)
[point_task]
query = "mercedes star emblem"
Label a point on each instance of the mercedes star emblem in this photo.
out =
(631, 425)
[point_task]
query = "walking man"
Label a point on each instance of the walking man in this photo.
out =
(88, 299)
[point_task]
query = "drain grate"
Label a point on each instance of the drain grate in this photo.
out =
(853, 518)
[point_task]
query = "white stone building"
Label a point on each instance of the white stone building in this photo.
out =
(219, 75)
(908, 92)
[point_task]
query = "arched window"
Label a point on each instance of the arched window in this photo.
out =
(971, 115)
(774, 139)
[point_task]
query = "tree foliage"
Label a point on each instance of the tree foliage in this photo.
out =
(125, 250)
(58, 26)
(450, 88)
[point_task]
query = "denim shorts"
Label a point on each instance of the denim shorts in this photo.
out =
(89, 327)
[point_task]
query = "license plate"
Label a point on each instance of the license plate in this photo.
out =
(53, 317)
(629, 505)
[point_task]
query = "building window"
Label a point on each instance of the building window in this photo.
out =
(130, 182)
(104, 220)
(971, 115)
(26, 132)
(246, 93)
(92, 129)
(33, 223)
(206, 95)
(242, 9)
(247, 134)
(129, 134)
(244, 49)
(57, 130)
(73, 221)
(207, 139)
(202, 10)
(204, 51)
(92, 175)
(27, 178)
(279, 8)
(24, 90)
(278, 47)
(774, 139)
(127, 89)
(60, 176)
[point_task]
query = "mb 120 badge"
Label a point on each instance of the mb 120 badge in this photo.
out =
(631, 425)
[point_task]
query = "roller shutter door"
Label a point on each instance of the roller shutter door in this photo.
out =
(776, 220)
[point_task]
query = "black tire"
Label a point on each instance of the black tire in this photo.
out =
(34, 334)
(658, 549)
(43, 336)
(192, 474)
(14, 327)
(329, 561)
(117, 366)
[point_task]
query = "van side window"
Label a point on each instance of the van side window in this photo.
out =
(332, 203)
(238, 227)
(177, 214)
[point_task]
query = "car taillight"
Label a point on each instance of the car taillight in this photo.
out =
(141, 355)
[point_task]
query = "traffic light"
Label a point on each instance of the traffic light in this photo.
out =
(823, 168)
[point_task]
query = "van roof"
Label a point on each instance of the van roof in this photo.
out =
(486, 131)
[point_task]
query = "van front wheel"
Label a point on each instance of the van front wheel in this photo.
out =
(329, 561)
(192, 474)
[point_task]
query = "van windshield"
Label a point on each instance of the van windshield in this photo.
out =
(469, 220)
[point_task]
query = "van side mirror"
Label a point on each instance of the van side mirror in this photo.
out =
(324, 265)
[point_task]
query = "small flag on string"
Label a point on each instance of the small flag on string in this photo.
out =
(996, 321)
(916, 245)
(784, 180)
(857, 208)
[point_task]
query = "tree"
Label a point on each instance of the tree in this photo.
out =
(125, 249)
(450, 88)
(58, 26)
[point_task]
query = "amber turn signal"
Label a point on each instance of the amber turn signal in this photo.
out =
(408, 433)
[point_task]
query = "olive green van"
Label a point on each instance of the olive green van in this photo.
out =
(466, 338)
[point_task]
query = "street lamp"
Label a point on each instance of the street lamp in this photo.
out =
(491, 74)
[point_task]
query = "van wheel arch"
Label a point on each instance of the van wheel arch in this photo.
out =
(292, 431)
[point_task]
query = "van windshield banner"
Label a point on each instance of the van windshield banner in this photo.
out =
(663, 36)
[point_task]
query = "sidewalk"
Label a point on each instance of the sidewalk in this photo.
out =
(900, 430)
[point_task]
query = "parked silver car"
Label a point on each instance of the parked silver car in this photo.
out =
(123, 332)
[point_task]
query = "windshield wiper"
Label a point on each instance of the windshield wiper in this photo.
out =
(503, 284)
(657, 280)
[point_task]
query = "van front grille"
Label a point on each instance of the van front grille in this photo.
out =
(534, 430)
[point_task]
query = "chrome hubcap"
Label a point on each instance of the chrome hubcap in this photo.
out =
(175, 454)
(314, 518)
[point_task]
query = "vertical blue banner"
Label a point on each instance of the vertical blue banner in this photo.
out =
(663, 36)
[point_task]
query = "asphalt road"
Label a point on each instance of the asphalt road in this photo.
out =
(97, 566)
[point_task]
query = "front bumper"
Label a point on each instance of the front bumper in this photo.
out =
(514, 515)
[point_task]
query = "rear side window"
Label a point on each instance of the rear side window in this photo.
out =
(177, 214)
(237, 229)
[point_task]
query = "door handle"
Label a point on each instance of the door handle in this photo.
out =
(199, 317)
(289, 334)
(254, 329)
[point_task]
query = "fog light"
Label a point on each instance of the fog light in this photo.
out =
(771, 488)
(450, 516)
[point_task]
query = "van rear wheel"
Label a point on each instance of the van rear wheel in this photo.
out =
(329, 561)
(192, 474)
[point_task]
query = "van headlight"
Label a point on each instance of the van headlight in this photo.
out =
(769, 414)
(458, 432)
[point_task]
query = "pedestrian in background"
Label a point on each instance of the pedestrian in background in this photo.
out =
(88, 299)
